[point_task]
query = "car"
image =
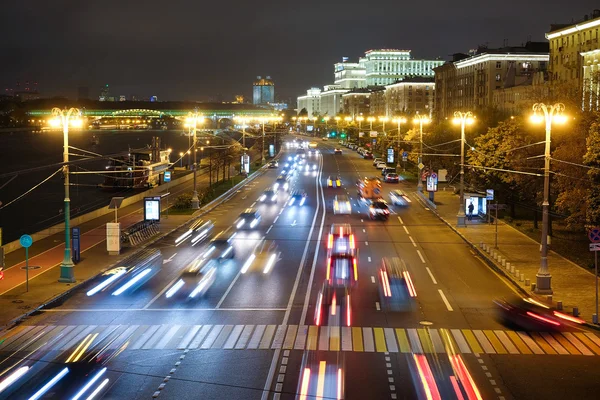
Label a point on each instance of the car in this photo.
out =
(341, 205)
(399, 198)
(297, 197)
(313, 152)
(281, 183)
(273, 164)
(334, 181)
(368, 155)
(388, 170)
(325, 138)
(301, 153)
(381, 165)
(264, 257)
(268, 196)
(392, 177)
(531, 315)
(342, 270)
(379, 210)
(195, 279)
(337, 150)
(360, 150)
(333, 307)
(353, 146)
(248, 219)
(377, 161)
(396, 288)
(198, 231)
(221, 247)
(322, 375)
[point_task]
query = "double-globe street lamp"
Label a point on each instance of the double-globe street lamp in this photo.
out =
(462, 118)
(65, 118)
(420, 120)
(192, 120)
(399, 121)
(548, 114)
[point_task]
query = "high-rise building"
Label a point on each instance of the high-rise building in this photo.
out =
(349, 75)
(311, 102)
(263, 91)
(386, 66)
(104, 93)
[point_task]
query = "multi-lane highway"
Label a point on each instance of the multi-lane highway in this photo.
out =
(255, 334)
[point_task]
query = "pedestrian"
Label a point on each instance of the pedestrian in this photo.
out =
(471, 208)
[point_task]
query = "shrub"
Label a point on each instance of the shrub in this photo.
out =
(183, 201)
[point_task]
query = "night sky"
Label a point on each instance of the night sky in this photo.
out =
(185, 50)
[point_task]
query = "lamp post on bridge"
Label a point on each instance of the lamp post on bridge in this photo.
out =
(192, 120)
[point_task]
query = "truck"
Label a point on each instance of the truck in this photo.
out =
(369, 188)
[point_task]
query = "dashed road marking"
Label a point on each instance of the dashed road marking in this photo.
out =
(269, 230)
(413, 241)
(400, 219)
(431, 275)
(372, 279)
(369, 259)
(421, 256)
(445, 300)
(377, 306)
(405, 229)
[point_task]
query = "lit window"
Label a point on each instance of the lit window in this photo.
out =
(498, 64)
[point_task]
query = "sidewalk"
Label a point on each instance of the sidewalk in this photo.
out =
(572, 285)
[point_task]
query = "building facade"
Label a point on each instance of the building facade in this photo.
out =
(331, 100)
(377, 101)
(349, 75)
(357, 102)
(411, 96)
(311, 102)
(386, 66)
(263, 92)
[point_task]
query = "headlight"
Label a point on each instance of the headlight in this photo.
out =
(263, 197)
(286, 185)
(302, 201)
(274, 197)
(275, 185)
(240, 223)
(254, 223)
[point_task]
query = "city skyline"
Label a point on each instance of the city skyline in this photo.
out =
(147, 51)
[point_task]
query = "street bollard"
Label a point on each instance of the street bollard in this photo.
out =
(512, 269)
(533, 286)
(576, 311)
(508, 266)
(522, 278)
(504, 262)
(559, 305)
(481, 244)
(594, 318)
(515, 272)
(549, 298)
(527, 282)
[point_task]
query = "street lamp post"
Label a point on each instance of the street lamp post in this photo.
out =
(548, 114)
(421, 119)
(399, 121)
(63, 118)
(181, 153)
(462, 118)
(383, 120)
(193, 120)
(360, 119)
(263, 139)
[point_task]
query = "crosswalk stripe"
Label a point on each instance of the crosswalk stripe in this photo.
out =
(199, 338)
(539, 340)
(593, 338)
(265, 342)
(124, 335)
(485, 344)
(346, 338)
(438, 346)
(495, 342)
(290, 336)
(565, 343)
(473, 343)
(279, 335)
(415, 344)
(510, 347)
(233, 338)
(448, 342)
(334, 338)
(146, 331)
(43, 336)
(554, 343)
(368, 339)
(390, 340)
(155, 338)
(169, 335)
(582, 349)
(244, 337)
(255, 340)
(357, 340)
(14, 333)
(313, 333)
(324, 338)
(516, 339)
(581, 336)
(61, 345)
(301, 337)
(460, 341)
(78, 338)
(403, 340)
(23, 339)
(188, 337)
(425, 341)
(222, 337)
(211, 337)
(379, 340)
(530, 342)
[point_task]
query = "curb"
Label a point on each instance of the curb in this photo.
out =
(207, 208)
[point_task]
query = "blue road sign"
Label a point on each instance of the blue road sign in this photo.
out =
(167, 176)
(26, 241)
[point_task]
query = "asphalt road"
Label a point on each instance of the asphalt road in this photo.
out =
(253, 334)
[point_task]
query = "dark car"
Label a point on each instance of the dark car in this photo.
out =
(368, 155)
(379, 210)
(396, 289)
(337, 151)
(334, 181)
(392, 177)
(220, 247)
(297, 197)
(268, 196)
(388, 170)
(333, 307)
(249, 219)
(530, 314)
(273, 164)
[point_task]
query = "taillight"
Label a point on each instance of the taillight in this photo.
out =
(328, 267)
(539, 317)
(318, 319)
(568, 317)
(341, 232)
(411, 288)
(355, 266)
(333, 304)
(352, 244)
(330, 241)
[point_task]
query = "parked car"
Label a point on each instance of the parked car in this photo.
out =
(377, 161)
(388, 170)
(381, 165)
(368, 155)
(273, 164)
(392, 177)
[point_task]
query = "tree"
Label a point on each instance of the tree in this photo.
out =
(592, 159)
(303, 113)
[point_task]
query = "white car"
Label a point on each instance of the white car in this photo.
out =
(399, 198)
(341, 205)
(381, 165)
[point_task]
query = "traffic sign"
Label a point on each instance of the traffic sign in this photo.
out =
(167, 176)
(421, 165)
(26, 241)
(594, 235)
(489, 194)
(594, 246)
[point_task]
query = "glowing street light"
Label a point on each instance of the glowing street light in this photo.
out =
(65, 118)
(399, 121)
(462, 119)
(549, 114)
(192, 121)
(420, 119)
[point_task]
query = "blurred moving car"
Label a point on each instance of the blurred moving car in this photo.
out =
(263, 257)
(221, 247)
(198, 231)
(322, 375)
(333, 307)
(381, 165)
(334, 181)
(392, 177)
(388, 170)
(530, 314)
(379, 210)
(396, 288)
(341, 204)
(195, 279)
(268, 196)
(337, 150)
(273, 164)
(399, 198)
(282, 182)
(297, 197)
(249, 219)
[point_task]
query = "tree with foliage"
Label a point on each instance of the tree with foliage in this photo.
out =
(303, 113)
(592, 159)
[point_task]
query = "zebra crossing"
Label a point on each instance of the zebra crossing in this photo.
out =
(308, 337)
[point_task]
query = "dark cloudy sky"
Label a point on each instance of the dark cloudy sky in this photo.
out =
(192, 50)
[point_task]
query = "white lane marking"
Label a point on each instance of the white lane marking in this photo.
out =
(364, 231)
(366, 243)
(276, 218)
(448, 306)
(372, 279)
(431, 275)
(369, 258)
(168, 260)
(426, 208)
(413, 241)
(400, 219)
(252, 205)
(421, 256)
(294, 223)
(280, 211)
(377, 306)
(269, 230)
(160, 293)
(405, 229)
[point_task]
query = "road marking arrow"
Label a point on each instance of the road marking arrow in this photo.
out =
(168, 260)
(294, 223)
